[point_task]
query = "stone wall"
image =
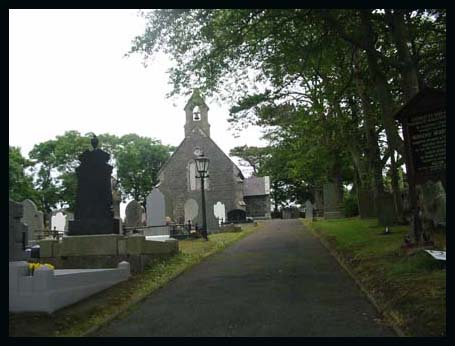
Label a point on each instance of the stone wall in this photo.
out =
(257, 206)
(105, 251)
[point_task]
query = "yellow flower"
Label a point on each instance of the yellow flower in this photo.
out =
(33, 266)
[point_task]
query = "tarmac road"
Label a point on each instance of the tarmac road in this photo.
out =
(279, 281)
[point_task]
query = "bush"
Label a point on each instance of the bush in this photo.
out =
(350, 205)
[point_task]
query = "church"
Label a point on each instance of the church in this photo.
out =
(227, 191)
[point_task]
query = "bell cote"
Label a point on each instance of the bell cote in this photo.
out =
(196, 114)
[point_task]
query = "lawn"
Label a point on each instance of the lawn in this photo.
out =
(87, 315)
(409, 287)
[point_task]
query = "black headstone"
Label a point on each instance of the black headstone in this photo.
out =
(94, 210)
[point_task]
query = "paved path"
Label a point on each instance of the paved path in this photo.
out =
(279, 281)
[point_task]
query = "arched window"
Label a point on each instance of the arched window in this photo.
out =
(192, 176)
(193, 183)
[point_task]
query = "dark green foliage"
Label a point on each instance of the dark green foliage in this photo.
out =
(350, 205)
(20, 183)
(324, 83)
(251, 156)
(136, 161)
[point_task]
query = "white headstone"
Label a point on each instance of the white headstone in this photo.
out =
(219, 211)
(155, 213)
(191, 210)
(33, 219)
(58, 221)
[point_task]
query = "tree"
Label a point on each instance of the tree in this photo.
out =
(251, 156)
(329, 80)
(20, 183)
(138, 161)
(55, 162)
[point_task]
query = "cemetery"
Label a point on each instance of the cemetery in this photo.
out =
(92, 249)
(324, 157)
(91, 256)
(46, 289)
(94, 311)
(93, 239)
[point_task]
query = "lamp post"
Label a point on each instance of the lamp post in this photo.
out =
(202, 166)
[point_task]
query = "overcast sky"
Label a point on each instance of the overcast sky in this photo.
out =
(67, 71)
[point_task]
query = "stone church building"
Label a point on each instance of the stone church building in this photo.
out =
(227, 191)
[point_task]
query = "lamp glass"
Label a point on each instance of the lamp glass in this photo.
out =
(202, 164)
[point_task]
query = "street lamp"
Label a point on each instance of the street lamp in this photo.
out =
(202, 166)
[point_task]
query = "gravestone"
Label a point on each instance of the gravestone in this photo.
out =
(308, 209)
(424, 124)
(290, 213)
(236, 216)
(33, 218)
(385, 209)
(366, 203)
(18, 232)
(318, 207)
(58, 221)
(191, 210)
(94, 210)
(332, 201)
(219, 210)
(133, 214)
(155, 213)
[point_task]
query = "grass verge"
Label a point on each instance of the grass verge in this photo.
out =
(88, 315)
(408, 288)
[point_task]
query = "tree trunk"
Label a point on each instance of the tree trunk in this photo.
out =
(394, 142)
(408, 69)
(395, 187)
(372, 151)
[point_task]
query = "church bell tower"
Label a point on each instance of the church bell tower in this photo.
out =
(196, 114)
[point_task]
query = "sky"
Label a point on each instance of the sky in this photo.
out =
(67, 71)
